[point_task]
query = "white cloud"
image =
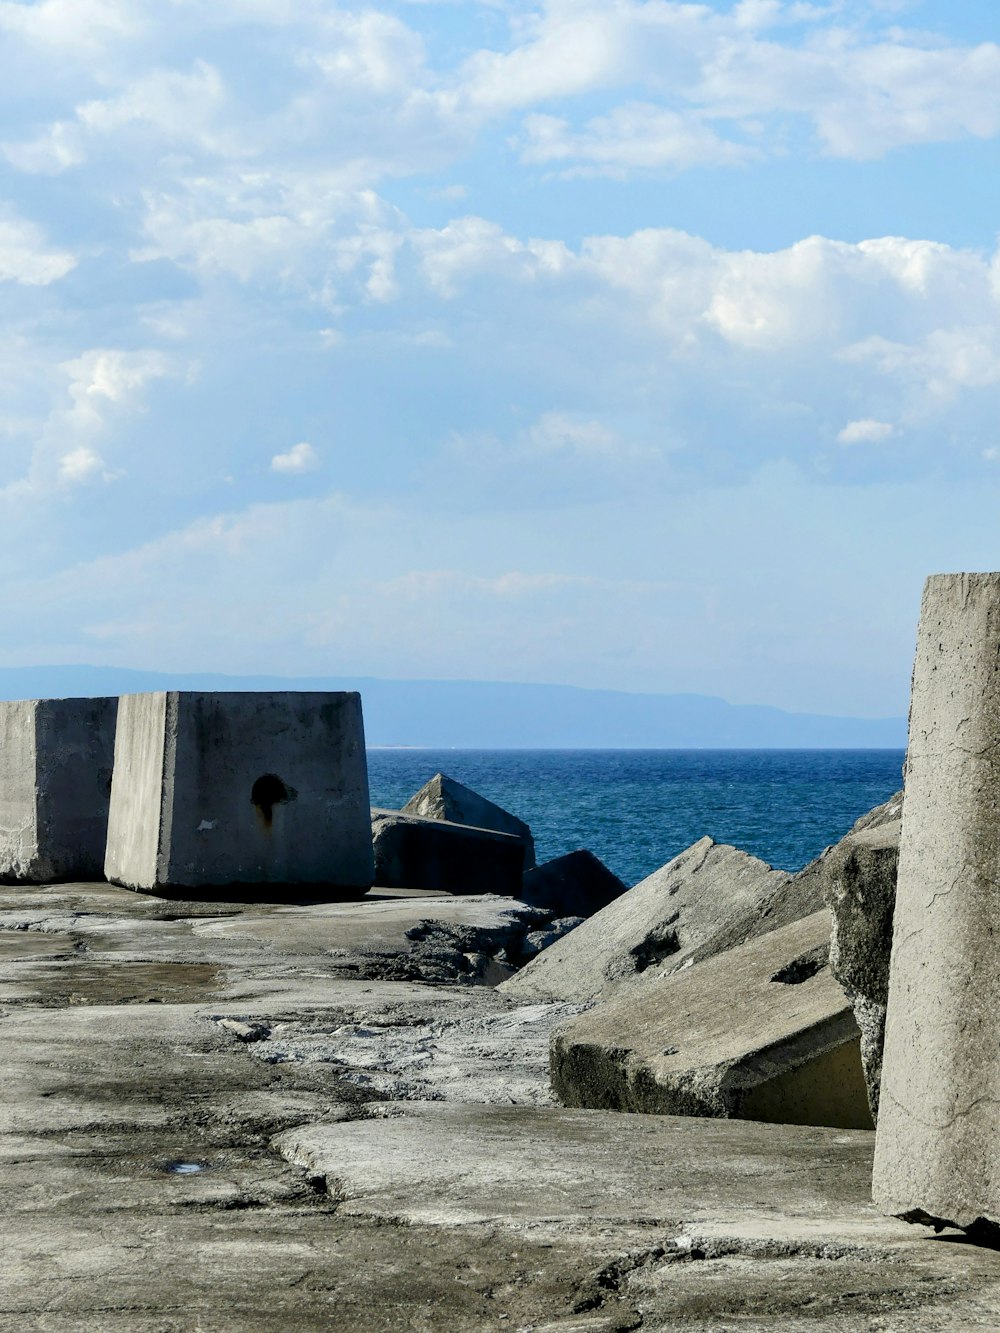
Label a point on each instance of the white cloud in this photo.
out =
(635, 137)
(300, 458)
(866, 430)
(24, 256)
(80, 464)
(103, 377)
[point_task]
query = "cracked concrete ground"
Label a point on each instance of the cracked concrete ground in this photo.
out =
(223, 1117)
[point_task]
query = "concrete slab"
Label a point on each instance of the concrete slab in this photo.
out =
(253, 789)
(445, 798)
(588, 1223)
(762, 1032)
(536, 1168)
(434, 854)
(938, 1148)
(56, 757)
(655, 925)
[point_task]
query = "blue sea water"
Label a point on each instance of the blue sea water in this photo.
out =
(636, 809)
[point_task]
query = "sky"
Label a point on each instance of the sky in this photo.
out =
(635, 345)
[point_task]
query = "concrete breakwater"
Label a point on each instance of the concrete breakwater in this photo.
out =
(234, 1110)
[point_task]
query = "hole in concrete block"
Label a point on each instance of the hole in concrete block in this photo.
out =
(658, 945)
(267, 792)
(802, 968)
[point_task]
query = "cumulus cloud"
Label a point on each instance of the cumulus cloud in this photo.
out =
(80, 464)
(866, 430)
(25, 257)
(300, 458)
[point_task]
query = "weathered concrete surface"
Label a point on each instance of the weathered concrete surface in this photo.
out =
(938, 1147)
(577, 884)
(56, 757)
(595, 1222)
(656, 925)
(445, 798)
(760, 1033)
(242, 788)
(859, 884)
(423, 937)
(433, 854)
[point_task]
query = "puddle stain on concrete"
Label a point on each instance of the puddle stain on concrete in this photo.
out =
(29, 944)
(121, 983)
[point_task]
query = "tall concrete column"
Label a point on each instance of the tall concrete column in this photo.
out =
(937, 1153)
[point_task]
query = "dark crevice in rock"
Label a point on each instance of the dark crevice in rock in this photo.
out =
(658, 945)
(802, 968)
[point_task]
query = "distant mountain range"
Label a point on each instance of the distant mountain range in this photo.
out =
(471, 714)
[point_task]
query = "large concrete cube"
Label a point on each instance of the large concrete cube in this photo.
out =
(255, 789)
(55, 778)
(937, 1155)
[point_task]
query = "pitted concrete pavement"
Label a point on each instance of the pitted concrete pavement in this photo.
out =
(382, 1155)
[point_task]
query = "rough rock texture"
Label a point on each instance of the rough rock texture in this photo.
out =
(762, 1032)
(938, 1145)
(401, 936)
(444, 798)
(135, 1034)
(414, 853)
(577, 884)
(859, 884)
(241, 788)
(676, 910)
(56, 757)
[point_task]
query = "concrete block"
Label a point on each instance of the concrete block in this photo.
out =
(859, 883)
(762, 1032)
(937, 1156)
(56, 757)
(577, 884)
(240, 788)
(413, 853)
(444, 798)
(655, 925)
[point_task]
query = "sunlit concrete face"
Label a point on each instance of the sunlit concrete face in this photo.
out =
(240, 788)
(938, 1145)
(55, 778)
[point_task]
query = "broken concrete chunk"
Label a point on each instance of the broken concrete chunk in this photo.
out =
(414, 853)
(577, 884)
(763, 1032)
(937, 1151)
(56, 757)
(859, 883)
(444, 798)
(677, 908)
(221, 789)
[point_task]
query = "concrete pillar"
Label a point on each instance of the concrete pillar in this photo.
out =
(241, 788)
(937, 1156)
(55, 777)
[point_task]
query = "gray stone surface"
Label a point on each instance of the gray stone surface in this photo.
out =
(859, 883)
(135, 1033)
(577, 884)
(654, 926)
(219, 789)
(432, 854)
(408, 937)
(762, 1032)
(56, 757)
(938, 1143)
(445, 798)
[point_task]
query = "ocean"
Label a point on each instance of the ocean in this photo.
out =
(636, 809)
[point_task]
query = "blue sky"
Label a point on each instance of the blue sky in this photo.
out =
(639, 345)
